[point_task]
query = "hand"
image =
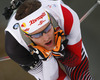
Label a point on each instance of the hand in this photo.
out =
(61, 51)
(61, 43)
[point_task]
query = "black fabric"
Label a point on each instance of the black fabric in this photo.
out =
(16, 51)
(9, 10)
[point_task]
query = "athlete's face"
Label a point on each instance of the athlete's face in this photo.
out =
(44, 36)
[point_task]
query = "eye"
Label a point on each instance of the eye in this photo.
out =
(48, 28)
(36, 35)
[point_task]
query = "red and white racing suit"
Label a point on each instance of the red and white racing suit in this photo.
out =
(76, 62)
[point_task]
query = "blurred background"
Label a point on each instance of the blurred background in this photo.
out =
(90, 27)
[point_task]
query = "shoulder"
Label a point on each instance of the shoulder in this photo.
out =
(12, 21)
(14, 29)
(62, 13)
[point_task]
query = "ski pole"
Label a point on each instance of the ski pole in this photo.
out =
(4, 58)
(90, 11)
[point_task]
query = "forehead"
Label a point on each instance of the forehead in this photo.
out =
(40, 29)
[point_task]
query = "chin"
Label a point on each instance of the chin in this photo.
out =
(49, 48)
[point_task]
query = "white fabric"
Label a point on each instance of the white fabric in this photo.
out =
(48, 70)
(34, 21)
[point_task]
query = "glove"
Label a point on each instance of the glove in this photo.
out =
(61, 43)
(39, 52)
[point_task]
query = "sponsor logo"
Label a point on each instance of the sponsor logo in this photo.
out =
(16, 26)
(49, 6)
(54, 5)
(37, 19)
(23, 25)
(41, 22)
(27, 29)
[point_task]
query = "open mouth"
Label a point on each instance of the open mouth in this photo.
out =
(49, 42)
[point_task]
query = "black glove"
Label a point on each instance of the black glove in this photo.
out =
(61, 43)
(33, 65)
(61, 52)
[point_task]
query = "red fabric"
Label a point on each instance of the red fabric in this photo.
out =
(68, 20)
(73, 55)
(75, 51)
(76, 48)
(81, 71)
(62, 74)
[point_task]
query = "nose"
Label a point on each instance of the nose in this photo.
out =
(45, 37)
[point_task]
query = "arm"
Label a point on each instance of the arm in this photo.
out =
(72, 30)
(17, 52)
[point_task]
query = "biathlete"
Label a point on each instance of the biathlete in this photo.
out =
(50, 43)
